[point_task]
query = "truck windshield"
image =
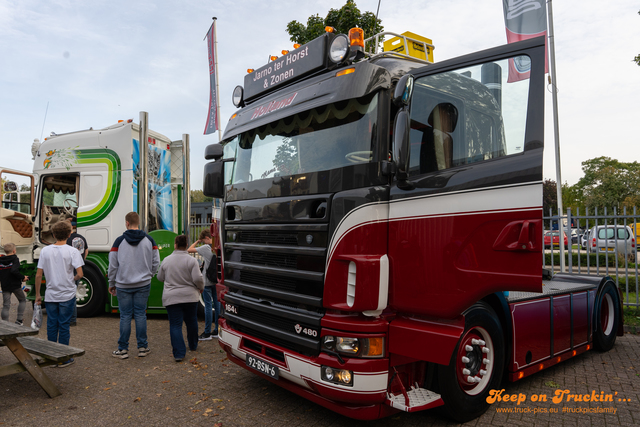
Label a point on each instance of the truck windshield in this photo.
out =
(327, 137)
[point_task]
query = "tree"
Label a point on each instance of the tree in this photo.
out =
(549, 197)
(343, 19)
(609, 183)
(197, 196)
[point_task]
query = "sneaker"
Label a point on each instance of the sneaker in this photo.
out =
(67, 363)
(143, 351)
(120, 354)
(19, 322)
(178, 360)
(205, 337)
(215, 335)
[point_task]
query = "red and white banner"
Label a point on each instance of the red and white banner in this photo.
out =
(212, 117)
(524, 19)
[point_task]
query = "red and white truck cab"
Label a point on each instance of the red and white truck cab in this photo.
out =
(382, 230)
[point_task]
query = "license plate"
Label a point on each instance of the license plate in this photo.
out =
(263, 367)
(611, 249)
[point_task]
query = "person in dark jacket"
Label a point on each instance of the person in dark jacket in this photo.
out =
(11, 282)
(80, 243)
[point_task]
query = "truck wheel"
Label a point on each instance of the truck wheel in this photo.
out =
(476, 365)
(607, 318)
(90, 293)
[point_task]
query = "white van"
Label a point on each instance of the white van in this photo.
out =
(612, 239)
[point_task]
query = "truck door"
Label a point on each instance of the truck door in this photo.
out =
(16, 212)
(467, 222)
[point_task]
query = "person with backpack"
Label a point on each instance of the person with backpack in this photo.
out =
(210, 273)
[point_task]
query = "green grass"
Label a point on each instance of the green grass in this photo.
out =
(631, 313)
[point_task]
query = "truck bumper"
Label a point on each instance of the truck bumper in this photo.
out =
(365, 400)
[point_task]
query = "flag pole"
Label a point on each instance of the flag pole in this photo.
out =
(556, 134)
(217, 78)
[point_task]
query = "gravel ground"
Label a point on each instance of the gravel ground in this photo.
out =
(207, 389)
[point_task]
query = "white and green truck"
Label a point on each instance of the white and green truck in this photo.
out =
(95, 175)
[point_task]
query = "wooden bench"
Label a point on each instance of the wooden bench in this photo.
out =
(51, 353)
(22, 343)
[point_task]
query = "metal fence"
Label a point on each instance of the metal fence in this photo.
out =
(194, 231)
(621, 264)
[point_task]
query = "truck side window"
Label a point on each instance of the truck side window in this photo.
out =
(466, 116)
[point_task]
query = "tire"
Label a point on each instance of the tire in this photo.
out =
(90, 293)
(465, 400)
(607, 318)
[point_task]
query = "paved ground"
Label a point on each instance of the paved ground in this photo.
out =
(209, 390)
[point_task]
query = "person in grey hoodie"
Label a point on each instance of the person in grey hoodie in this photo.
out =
(183, 284)
(134, 259)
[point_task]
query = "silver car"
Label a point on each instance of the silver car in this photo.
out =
(611, 239)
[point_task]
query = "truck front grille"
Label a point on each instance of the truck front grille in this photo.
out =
(275, 276)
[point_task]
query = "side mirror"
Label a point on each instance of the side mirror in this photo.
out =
(10, 186)
(401, 144)
(213, 185)
(213, 152)
(403, 91)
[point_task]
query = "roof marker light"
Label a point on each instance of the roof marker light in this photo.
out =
(329, 29)
(250, 70)
(284, 52)
(296, 45)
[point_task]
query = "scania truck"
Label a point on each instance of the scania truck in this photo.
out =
(382, 230)
(96, 176)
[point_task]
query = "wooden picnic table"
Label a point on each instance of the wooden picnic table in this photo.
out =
(20, 341)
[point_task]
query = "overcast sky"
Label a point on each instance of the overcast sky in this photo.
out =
(96, 62)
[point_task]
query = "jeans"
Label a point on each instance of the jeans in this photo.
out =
(6, 303)
(58, 319)
(133, 303)
(187, 311)
(209, 298)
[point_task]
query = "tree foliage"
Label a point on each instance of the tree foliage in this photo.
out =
(549, 197)
(343, 19)
(197, 196)
(609, 183)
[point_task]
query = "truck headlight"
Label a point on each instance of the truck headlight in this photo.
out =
(370, 347)
(336, 376)
(339, 49)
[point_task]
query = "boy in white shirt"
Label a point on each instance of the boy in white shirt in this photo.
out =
(58, 261)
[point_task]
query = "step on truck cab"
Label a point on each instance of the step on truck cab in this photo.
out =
(381, 230)
(95, 175)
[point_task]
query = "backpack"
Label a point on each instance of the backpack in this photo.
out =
(212, 270)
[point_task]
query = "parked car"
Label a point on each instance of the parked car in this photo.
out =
(553, 238)
(575, 236)
(612, 239)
